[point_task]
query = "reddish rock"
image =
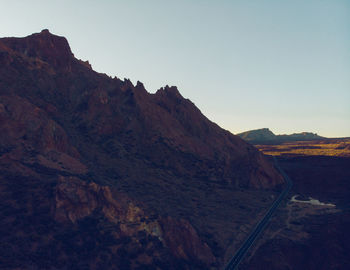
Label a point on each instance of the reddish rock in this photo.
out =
(183, 241)
(76, 200)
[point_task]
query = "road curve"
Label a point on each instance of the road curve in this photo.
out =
(237, 258)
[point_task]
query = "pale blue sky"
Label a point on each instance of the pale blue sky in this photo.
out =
(246, 64)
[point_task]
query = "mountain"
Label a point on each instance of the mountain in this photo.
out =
(264, 135)
(98, 173)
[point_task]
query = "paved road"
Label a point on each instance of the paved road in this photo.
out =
(237, 258)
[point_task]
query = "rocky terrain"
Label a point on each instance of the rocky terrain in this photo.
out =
(311, 230)
(266, 136)
(97, 173)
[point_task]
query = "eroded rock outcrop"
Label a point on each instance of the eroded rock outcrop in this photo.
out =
(76, 200)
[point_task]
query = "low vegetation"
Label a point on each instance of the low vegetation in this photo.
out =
(336, 147)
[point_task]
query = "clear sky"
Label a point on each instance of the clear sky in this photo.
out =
(246, 64)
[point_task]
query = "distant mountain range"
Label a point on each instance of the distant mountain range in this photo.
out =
(265, 135)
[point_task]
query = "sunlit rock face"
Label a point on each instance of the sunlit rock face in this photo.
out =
(99, 170)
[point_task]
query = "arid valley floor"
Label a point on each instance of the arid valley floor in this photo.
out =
(311, 229)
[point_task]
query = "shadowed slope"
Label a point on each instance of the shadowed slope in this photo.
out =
(59, 118)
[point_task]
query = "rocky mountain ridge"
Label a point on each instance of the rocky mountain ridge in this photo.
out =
(97, 169)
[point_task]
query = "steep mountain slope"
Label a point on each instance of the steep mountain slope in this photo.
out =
(90, 162)
(264, 135)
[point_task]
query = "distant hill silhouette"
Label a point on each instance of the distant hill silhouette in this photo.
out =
(265, 135)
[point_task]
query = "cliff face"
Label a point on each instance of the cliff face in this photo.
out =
(73, 136)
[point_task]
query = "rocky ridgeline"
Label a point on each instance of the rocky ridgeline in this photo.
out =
(71, 137)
